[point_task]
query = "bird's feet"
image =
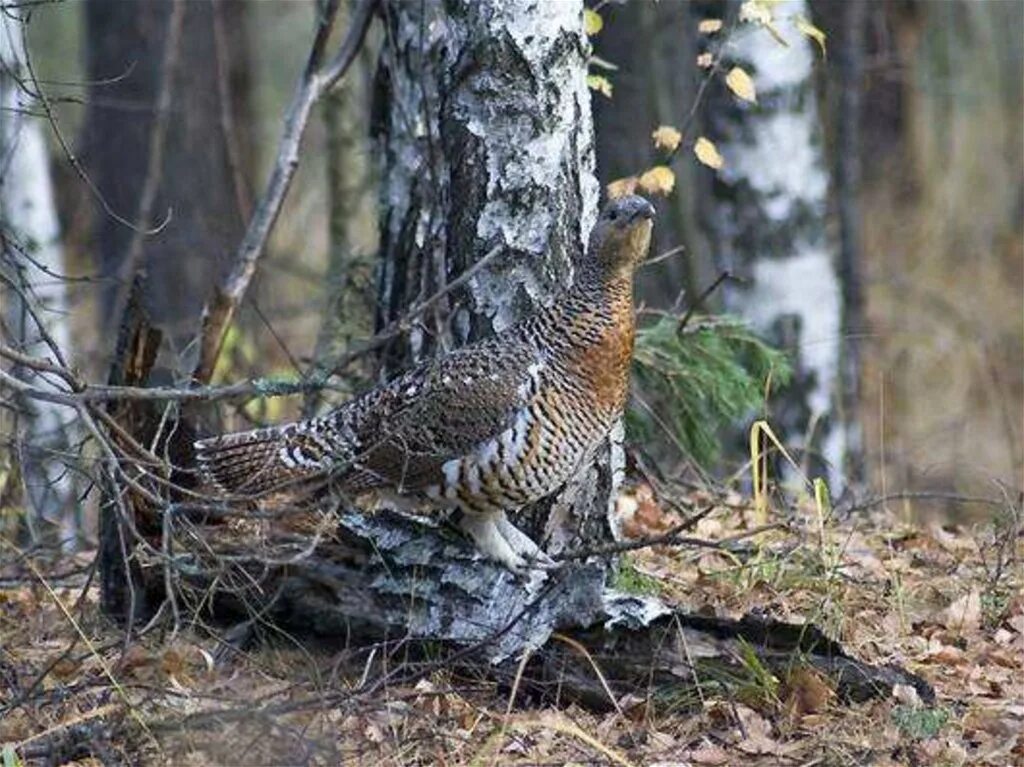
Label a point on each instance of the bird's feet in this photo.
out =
(500, 540)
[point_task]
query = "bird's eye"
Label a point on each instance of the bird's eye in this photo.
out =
(613, 215)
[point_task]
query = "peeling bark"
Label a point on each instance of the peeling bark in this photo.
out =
(484, 125)
(486, 136)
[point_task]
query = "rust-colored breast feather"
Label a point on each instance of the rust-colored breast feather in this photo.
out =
(605, 364)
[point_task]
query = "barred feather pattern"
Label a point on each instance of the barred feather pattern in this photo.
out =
(487, 428)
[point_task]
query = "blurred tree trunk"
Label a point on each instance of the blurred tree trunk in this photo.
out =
(765, 217)
(846, 74)
(183, 160)
(653, 48)
(351, 211)
(37, 434)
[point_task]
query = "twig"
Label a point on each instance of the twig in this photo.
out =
(670, 536)
(220, 309)
(699, 301)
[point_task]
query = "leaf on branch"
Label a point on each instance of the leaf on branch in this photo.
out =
(709, 26)
(707, 153)
(658, 180)
(666, 137)
(808, 29)
(705, 60)
(600, 84)
(741, 84)
(592, 22)
(621, 187)
(760, 12)
(756, 12)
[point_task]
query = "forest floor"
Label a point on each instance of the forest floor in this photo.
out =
(942, 601)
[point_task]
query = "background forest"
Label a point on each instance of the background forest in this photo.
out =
(921, 215)
(840, 181)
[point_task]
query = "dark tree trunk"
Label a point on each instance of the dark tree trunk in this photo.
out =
(653, 47)
(847, 73)
(200, 180)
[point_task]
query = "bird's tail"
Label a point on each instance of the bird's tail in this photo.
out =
(262, 461)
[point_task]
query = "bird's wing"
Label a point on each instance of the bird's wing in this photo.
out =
(442, 410)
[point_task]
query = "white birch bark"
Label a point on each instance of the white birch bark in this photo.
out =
(32, 246)
(769, 228)
(487, 141)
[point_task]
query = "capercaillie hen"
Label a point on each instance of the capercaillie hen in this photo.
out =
(486, 429)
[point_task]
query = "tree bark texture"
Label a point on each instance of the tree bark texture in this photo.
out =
(483, 118)
(200, 174)
(766, 221)
(30, 237)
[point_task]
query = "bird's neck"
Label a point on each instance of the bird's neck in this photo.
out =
(593, 333)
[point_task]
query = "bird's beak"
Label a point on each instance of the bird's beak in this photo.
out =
(644, 212)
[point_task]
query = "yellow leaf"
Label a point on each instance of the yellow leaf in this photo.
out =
(620, 187)
(705, 60)
(707, 153)
(658, 180)
(667, 137)
(600, 84)
(756, 11)
(739, 82)
(760, 12)
(592, 22)
(709, 26)
(811, 31)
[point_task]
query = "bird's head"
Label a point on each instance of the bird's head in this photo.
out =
(622, 235)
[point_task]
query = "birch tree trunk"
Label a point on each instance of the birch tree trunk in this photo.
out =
(484, 128)
(487, 139)
(30, 234)
(766, 221)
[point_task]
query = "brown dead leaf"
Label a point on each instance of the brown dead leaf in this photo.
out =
(805, 692)
(757, 732)
(945, 654)
(709, 754)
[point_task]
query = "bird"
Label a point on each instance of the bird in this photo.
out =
(483, 430)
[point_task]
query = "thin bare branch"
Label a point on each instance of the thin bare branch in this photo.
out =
(220, 309)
